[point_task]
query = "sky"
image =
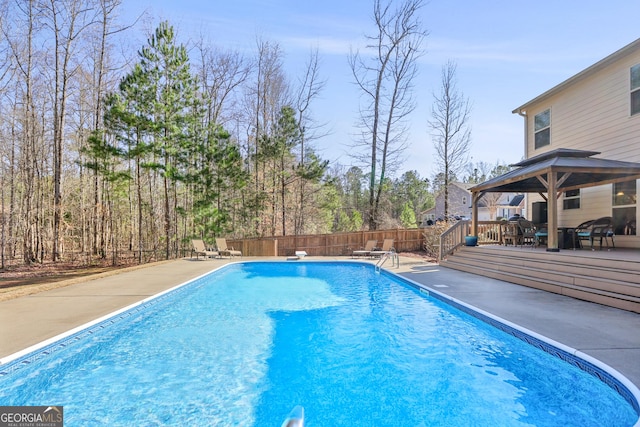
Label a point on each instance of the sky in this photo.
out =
(507, 53)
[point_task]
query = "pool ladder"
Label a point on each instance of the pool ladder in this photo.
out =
(295, 418)
(395, 260)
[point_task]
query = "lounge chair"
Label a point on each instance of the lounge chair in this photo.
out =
(601, 228)
(368, 247)
(224, 250)
(387, 246)
(199, 248)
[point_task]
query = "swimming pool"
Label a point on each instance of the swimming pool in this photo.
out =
(244, 345)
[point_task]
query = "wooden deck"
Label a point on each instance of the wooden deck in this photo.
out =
(608, 277)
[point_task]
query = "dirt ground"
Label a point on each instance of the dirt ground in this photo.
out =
(29, 279)
(420, 255)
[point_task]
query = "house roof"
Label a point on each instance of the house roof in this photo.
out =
(575, 169)
(428, 211)
(516, 200)
(628, 49)
(463, 185)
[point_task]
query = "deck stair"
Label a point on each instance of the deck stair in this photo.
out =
(579, 274)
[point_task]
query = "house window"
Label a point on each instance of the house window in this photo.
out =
(571, 200)
(635, 89)
(624, 208)
(542, 129)
(624, 193)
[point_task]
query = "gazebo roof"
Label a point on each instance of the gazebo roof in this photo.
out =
(575, 169)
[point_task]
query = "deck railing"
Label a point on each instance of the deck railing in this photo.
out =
(489, 232)
(453, 238)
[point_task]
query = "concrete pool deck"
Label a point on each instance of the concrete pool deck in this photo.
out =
(607, 334)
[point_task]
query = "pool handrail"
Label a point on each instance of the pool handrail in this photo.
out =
(395, 259)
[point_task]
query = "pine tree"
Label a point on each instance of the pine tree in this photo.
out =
(167, 65)
(159, 118)
(408, 216)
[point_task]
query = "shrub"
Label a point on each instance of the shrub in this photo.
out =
(432, 238)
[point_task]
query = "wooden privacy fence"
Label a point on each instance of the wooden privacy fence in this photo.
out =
(336, 244)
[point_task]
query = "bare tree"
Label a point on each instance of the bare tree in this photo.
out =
(266, 96)
(96, 78)
(7, 151)
(24, 159)
(66, 20)
(451, 131)
(492, 202)
(477, 172)
(221, 73)
(386, 81)
(309, 89)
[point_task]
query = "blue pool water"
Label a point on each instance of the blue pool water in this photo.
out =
(244, 345)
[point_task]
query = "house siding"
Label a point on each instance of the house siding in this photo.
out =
(460, 205)
(459, 202)
(592, 113)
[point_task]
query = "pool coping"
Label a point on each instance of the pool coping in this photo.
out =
(32, 353)
(585, 362)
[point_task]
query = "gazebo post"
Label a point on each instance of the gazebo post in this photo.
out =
(552, 212)
(475, 197)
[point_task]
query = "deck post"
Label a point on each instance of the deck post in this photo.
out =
(475, 197)
(552, 212)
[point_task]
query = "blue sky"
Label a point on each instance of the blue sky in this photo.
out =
(507, 53)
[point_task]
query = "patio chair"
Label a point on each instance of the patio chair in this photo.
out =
(582, 228)
(601, 228)
(630, 228)
(387, 246)
(224, 250)
(199, 248)
(509, 232)
(527, 232)
(541, 236)
(366, 251)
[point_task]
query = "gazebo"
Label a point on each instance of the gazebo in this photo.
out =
(552, 173)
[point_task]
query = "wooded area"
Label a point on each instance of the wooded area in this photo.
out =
(109, 151)
(103, 155)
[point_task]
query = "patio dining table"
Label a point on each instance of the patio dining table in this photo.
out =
(567, 238)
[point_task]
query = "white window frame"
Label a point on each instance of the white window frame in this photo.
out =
(537, 130)
(634, 74)
(624, 200)
(568, 198)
